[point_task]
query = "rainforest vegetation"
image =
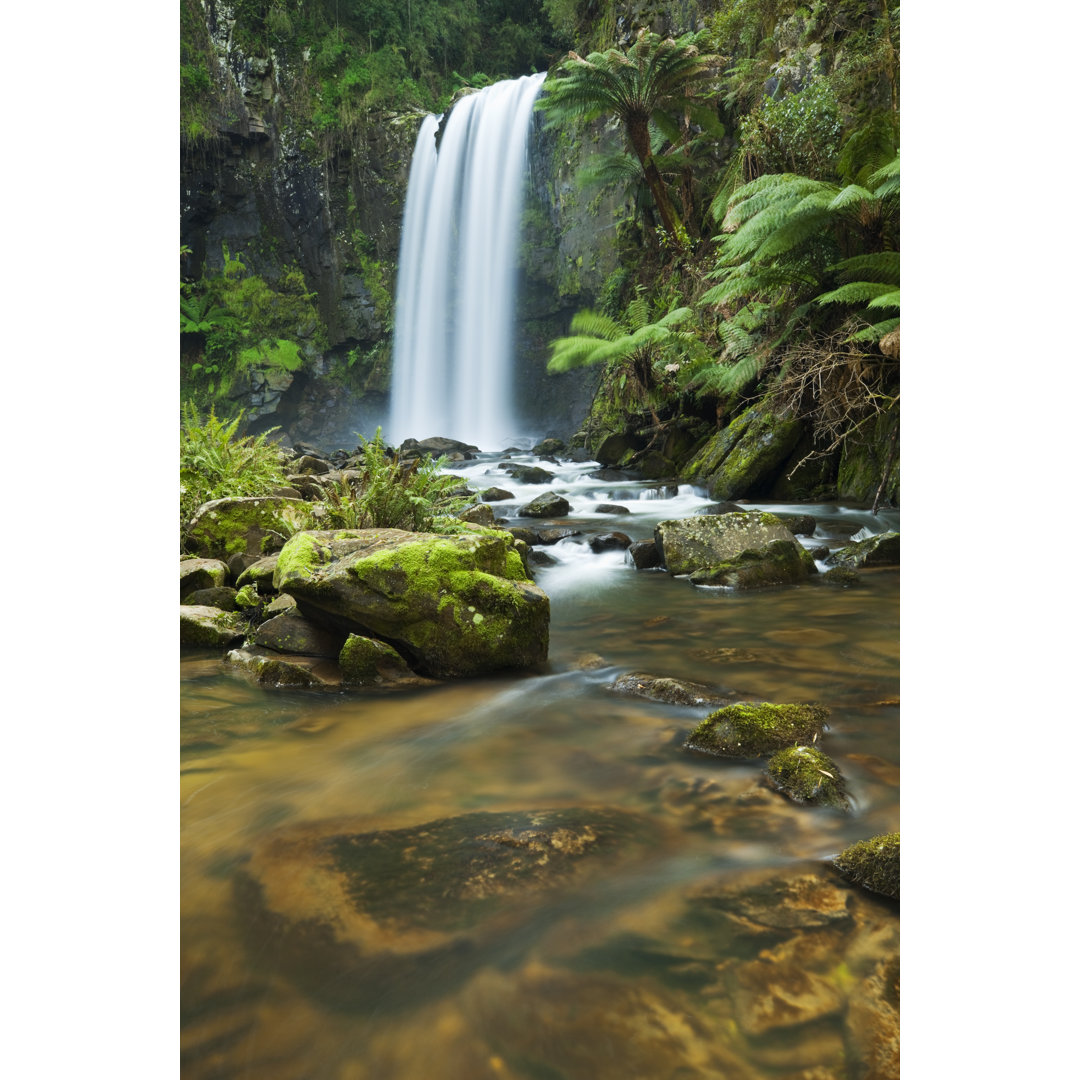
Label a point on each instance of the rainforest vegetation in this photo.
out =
(760, 154)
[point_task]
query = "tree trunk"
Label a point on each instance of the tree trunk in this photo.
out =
(638, 129)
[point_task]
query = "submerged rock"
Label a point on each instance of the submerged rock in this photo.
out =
(801, 901)
(874, 864)
(276, 669)
(841, 577)
(805, 774)
(453, 605)
(370, 917)
(880, 550)
(872, 1022)
(757, 729)
(610, 508)
(548, 505)
(672, 691)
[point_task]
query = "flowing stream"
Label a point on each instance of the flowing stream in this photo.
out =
(453, 358)
(663, 968)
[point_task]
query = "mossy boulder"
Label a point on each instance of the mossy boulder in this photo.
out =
(695, 543)
(874, 864)
(366, 916)
(209, 627)
(249, 526)
(260, 574)
(528, 474)
(291, 633)
(746, 456)
(548, 505)
(366, 661)
(780, 562)
(880, 550)
(454, 606)
(841, 577)
(478, 514)
(807, 775)
(757, 729)
(196, 574)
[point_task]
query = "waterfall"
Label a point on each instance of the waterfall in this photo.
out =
(453, 324)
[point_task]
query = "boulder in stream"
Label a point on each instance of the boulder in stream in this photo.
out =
(880, 550)
(548, 505)
(757, 729)
(291, 633)
(671, 691)
(610, 541)
(209, 627)
(276, 669)
(527, 474)
(454, 606)
(807, 775)
(696, 543)
(196, 574)
(874, 864)
(780, 562)
(366, 661)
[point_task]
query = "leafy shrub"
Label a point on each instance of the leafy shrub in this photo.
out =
(215, 464)
(392, 495)
(798, 133)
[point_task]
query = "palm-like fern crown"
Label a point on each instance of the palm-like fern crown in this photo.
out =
(654, 73)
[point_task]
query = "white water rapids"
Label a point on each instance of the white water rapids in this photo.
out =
(453, 350)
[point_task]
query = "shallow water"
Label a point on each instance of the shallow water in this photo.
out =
(637, 972)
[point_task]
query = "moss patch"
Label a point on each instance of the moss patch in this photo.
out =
(367, 662)
(874, 864)
(807, 775)
(757, 729)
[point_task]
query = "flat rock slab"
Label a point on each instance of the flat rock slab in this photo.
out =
(290, 633)
(671, 691)
(275, 669)
(453, 606)
(364, 915)
(702, 541)
(209, 627)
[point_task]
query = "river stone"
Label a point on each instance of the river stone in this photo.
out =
(644, 554)
(524, 534)
(494, 494)
(365, 661)
(550, 447)
(454, 606)
(548, 505)
(695, 543)
(611, 508)
(260, 574)
(672, 691)
(208, 627)
(841, 577)
(436, 446)
(295, 634)
(539, 557)
(746, 456)
(806, 775)
(478, 514)
(757, 729)
(874, 864)
(221, 598)
(715, 509)
(224, 527)
(553, 536)
(527, 474)
(799, 524)
(880, 550)
(309, 465)
(780, 562)
(370, 917)
(872, 1022)
(611, 541)
(274, 669)
(201, 574)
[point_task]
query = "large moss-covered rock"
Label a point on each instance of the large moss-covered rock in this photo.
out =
(695, 543)
(452, 605)
(757, 729)
(366, 914)
(874, 864)
(807, 775)
(880, 550)
(746, 456)
(780, 562)
(225, 527)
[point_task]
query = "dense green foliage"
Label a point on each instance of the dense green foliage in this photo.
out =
(234, 321)
(217, 464)
(392, 494)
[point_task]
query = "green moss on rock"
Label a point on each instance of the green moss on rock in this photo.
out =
(874, 864)
(757, 729)
(780, 562)
(366, 661)
(807, 775)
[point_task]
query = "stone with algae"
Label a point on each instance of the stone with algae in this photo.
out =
(874, 864)
(807, 775)
(757, 729)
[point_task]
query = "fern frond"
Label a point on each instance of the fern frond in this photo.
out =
(856, 292)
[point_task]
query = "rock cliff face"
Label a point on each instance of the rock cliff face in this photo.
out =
(271, 192)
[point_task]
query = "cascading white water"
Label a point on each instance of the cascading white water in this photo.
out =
(453, 350)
